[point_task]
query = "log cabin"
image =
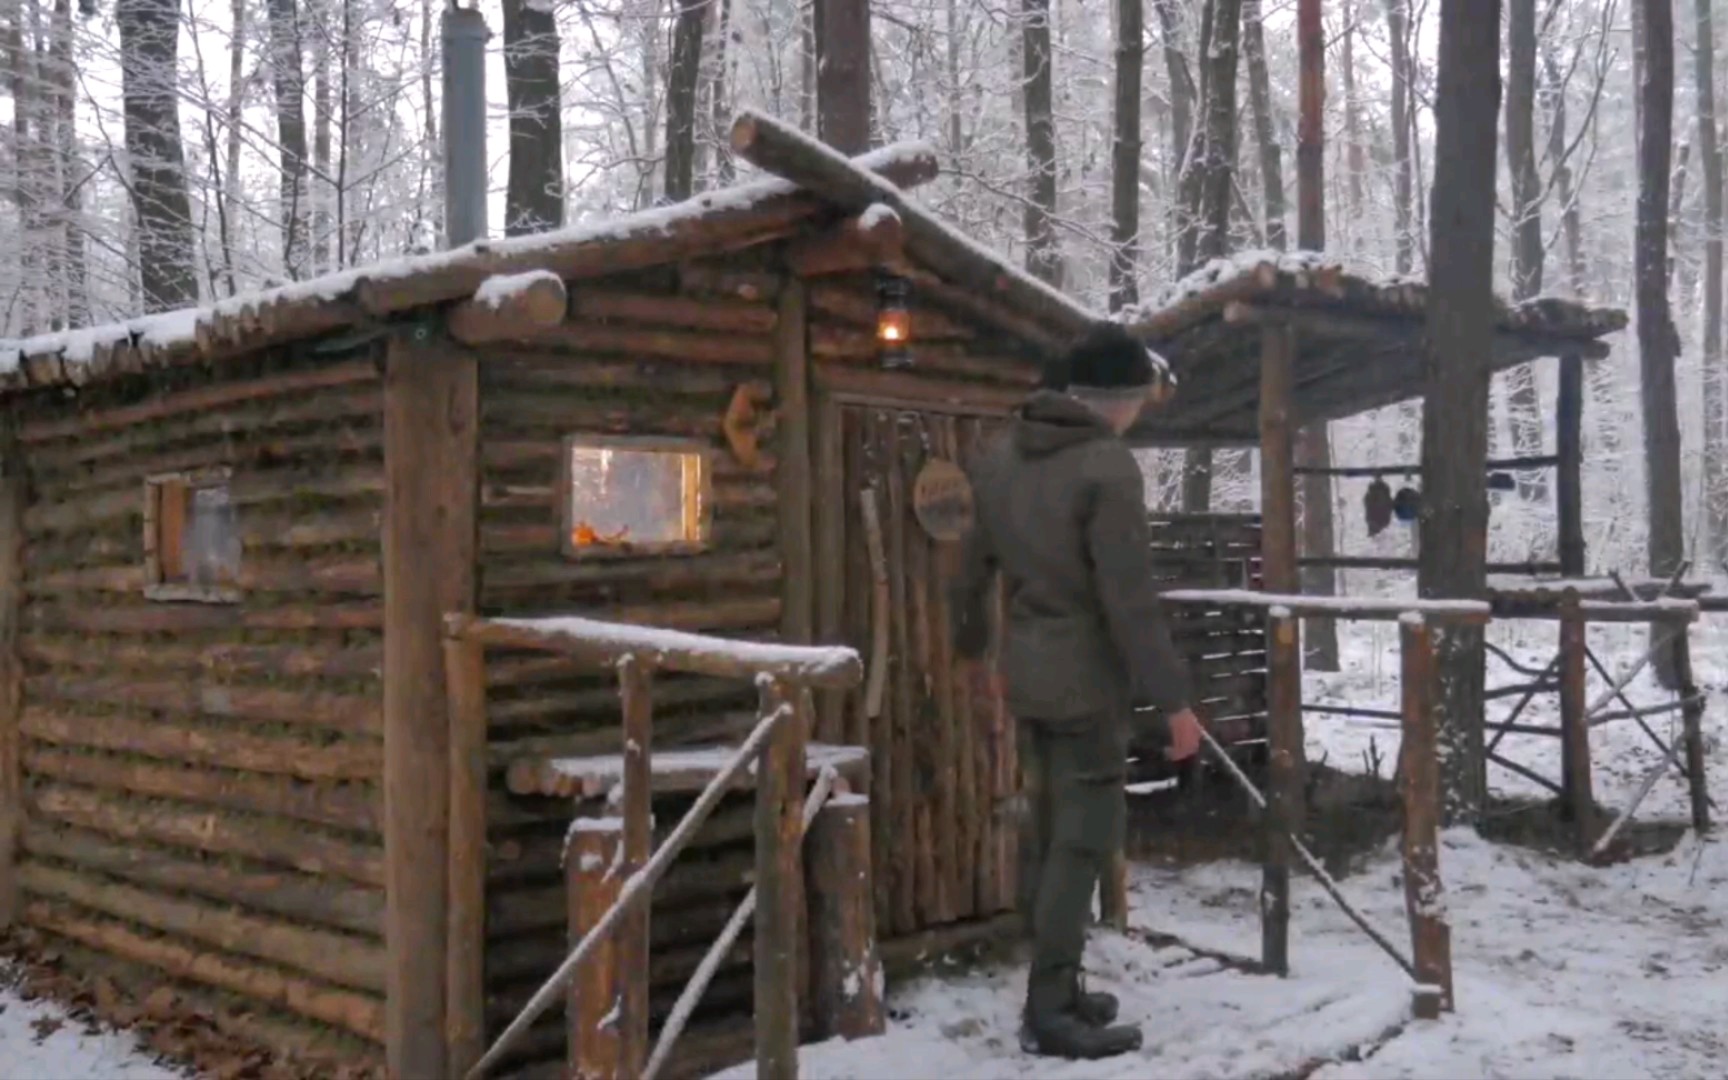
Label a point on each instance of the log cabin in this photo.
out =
(230, 538)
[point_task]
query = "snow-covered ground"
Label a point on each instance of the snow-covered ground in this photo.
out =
(39, 1039)
(1562, 970)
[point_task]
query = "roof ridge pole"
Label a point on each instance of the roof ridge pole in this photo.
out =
(464, 34)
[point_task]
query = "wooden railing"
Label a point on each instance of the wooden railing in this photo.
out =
(611, 869)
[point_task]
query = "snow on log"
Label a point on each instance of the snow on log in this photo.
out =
(677, 772)
(871, 239)
(716, 220)
(1297, 605)
(828, 667)
(508, 306)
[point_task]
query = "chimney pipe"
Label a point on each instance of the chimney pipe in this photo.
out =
(464, 41)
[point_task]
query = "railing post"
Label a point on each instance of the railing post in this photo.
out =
(779, 883)
(1419, 768)
(846, 974)
(465, 944)
(593, 1004)
(635, 689)
(1580, 800)
(1113, 892)
(1284, 790)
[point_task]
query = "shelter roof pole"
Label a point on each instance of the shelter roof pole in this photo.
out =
(1568, 427)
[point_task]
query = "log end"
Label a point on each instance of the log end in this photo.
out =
(746, 129)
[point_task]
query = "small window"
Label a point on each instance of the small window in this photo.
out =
(191, 538)
(634, 496)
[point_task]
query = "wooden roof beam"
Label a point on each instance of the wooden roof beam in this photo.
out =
(871, 239)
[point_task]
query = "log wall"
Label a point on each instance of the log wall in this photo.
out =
(201, 781)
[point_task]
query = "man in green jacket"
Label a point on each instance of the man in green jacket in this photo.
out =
(1061, 515)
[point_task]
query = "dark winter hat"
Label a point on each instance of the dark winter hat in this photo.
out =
(1107, 358)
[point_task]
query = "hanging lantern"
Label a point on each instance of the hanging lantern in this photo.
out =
(894, 321)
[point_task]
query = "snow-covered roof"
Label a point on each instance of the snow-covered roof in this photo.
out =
(335, 301)
(1310, 279)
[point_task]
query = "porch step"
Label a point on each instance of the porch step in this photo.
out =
(682, 771)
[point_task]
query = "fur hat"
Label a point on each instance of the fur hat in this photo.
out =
(1107, 358)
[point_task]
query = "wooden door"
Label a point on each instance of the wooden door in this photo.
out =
(944, 769)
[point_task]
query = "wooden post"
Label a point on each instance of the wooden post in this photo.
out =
(1113, 893)
(845, 972)
(779, 882)
(1569, 486)
(1692, 730)
(1419, 768)
(1574, 722)
(431, 467)
(465, 945)
(1279, 574)
(594, 1002)
(635, 688)
(12, 500)
(830, 546)
(792, 399)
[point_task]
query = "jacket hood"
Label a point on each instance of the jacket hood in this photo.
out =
(1052, 421)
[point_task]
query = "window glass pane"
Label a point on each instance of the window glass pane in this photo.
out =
(634, 497)
(211, 551)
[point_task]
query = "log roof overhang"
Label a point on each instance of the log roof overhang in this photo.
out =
(1359, 343)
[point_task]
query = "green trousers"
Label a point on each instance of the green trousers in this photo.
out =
(1075, 772)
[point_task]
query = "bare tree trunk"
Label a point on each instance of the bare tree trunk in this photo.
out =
(28, 139)
(1453, 557)
(1527, 241)
(74, 285)
(289, 81)
(843, 75)
(719, 101)
(1260, 99)
(1208, 180)
(681, 101)
(1043, 251)
(1310, 139)
(1355, 160)
(1658, 341)
(1182, 92)
(1403, 184)
(229, 205)
(149, 49)
(1125, 159)
(534, 197)
(430, 208)
(321, 191)
(1715, 379)
(1571, 229)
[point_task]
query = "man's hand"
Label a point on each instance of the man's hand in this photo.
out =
(1184, 736)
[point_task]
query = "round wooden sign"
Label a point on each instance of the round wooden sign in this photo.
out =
(942, 500)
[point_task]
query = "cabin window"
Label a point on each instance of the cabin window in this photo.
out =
(634, 496)
(191, 538)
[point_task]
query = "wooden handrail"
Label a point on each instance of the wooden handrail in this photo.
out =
(831, 667)
(637, 888)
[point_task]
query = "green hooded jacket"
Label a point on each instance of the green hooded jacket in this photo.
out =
(1061, 514)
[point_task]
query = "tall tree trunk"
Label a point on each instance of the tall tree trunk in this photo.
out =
(843, 75)
(1355, 158)
(1658, 342)
(431, 206)
(323, 189)
(1208, 182)
(69, 231)
(534, 197)
(1715, 379)
(289, 81)
(1125, 158)
(28, 138)
(149, 51)
(719, 100)
(680, 179)
(1453, 557)
(1527, 242)
(1043, 251)
(229, 204)
(1571, 228)
(1260, 100)
(1404, 181)
(1183, 98)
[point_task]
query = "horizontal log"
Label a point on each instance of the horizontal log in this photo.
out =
(265, 839)
(1338, 607)
(224, 747)
(335, 575)
(343, 959)
(69, 462)
(360, 714)
(560, 709)
(683, 346)
(673, 772)
(1547, 606)
(992, 398)
(602, 642)
(538, 857)
(503, 306)
(854, 302)
(723, 277)
(527, 410)
(353, 807)
(291, 895)
(251, 455)
(864, 242)
(678, 940)
(742, 613)
(731, 531)
(517, 368)
(148, 618)
(684, 313)
(359, 1013)
(734, 569)
(836, 343)
(685, 729)
(201, 399)
(905, 955)
(262, 533)
(690, 880)
(301, 487)
(986, 310)
(734, 495)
